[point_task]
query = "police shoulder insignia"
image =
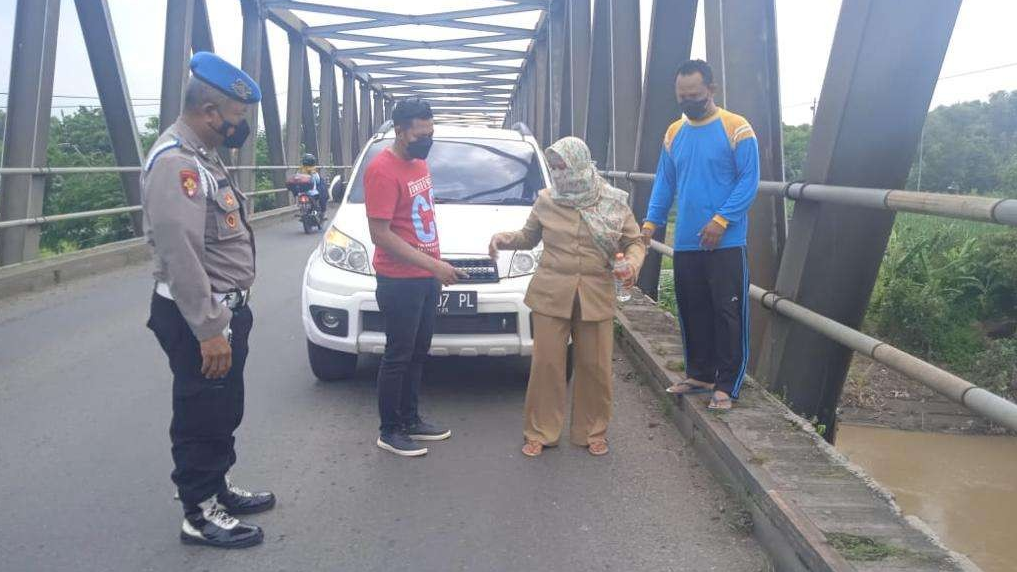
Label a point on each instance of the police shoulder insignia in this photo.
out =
(189, 182)
(241, 89)
(229, 199)
(231, 220)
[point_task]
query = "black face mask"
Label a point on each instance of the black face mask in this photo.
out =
(420, 148)
(236, 139)
(695, 109)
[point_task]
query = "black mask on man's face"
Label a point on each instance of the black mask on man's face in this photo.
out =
(420, 148)
(695, 109)
(240, 133)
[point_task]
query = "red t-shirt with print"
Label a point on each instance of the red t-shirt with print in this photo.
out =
(400, 191)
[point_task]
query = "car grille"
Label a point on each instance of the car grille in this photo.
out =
(479, 270)
(503, 323)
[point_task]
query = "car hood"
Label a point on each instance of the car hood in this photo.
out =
(462, 229)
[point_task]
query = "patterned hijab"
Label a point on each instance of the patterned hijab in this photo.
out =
(603, 208)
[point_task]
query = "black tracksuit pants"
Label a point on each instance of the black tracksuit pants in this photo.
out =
(712, 289)
(205, 412)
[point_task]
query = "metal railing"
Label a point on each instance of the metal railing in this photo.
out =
(965, 207)
(954, 388)
(99, 170)
(41, 220)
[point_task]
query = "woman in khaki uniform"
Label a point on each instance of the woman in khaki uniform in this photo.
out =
(583, 222)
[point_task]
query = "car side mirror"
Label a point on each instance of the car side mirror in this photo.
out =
(338, 189)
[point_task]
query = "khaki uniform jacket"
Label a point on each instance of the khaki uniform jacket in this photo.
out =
(196, 223)
(571, 262)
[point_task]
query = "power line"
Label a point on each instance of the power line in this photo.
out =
(983, 70)
(63, 96)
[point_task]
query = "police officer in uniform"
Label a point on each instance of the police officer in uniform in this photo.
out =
(204, 267)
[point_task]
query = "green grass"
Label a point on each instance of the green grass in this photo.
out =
(861, 548)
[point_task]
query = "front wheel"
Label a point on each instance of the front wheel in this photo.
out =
(330, 365)
(308, 225)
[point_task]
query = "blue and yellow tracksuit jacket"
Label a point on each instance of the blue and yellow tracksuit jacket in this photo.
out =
(712, 166)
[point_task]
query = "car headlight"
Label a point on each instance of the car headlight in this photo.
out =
(344, 252)
(525, 262)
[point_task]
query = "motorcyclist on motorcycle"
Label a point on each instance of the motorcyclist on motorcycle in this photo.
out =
(318, 191)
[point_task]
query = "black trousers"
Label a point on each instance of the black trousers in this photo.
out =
(205, 412)
(323, 202)
(712, 289)
(409, 308)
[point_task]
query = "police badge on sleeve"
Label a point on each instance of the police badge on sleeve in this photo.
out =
(189, 182)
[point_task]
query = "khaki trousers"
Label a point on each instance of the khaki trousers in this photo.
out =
(593, 344)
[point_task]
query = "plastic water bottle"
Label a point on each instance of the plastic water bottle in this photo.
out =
(621, 268)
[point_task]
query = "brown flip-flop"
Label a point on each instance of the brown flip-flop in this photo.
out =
(686, 388)
(597, 448)
(533, 448)
(722, 404)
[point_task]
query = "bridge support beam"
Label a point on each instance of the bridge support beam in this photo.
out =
(741, 46)
(351, 133)
(270, 114)
(326, 109)
(598, 105)
(541, 94)
(833, 252)
(108, 71)
(294, 105)
(175, 59)
(310, 129)
(337, 138)
(27, 129)
(671, 27)
(577, 62)
(626, 83)
(365, 112)
(201, 30)
(559, 86)
(378, 115)
(250, 62)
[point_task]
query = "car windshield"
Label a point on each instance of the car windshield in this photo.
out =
(474, 172)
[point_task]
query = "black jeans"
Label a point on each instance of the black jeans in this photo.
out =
(205, 412)
(712, 289)
(409, 308)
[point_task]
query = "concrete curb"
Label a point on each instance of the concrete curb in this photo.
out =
(38, 275)
(799, 491)
(790, 538)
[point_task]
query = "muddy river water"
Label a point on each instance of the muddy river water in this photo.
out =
(963, 486)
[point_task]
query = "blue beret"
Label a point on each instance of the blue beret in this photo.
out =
(225, 77)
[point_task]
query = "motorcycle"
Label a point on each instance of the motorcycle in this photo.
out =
(309, 215)
(309, 211)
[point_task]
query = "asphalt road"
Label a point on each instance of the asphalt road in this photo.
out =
(84, 456)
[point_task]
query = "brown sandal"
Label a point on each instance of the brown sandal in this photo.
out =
(533, 448)
(597, 448)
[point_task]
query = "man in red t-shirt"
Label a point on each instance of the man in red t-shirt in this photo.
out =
(407, 259)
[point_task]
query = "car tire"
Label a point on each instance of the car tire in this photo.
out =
(331, 365)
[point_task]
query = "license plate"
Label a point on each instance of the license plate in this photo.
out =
(457, 303)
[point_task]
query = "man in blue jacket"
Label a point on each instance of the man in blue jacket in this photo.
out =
(710, 162)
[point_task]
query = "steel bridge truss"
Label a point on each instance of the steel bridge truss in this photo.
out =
(574, 68)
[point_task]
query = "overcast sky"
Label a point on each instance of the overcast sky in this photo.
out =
(983, 39)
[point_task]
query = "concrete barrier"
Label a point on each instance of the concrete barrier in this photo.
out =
(37, 275)
(812, 510)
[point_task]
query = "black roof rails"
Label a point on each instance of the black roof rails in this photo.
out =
(522, 129)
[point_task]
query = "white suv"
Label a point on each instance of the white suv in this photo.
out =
(485, 181)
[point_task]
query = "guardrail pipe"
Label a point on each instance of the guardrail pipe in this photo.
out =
(976, 399)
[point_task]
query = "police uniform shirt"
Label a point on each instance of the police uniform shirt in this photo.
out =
(195, 222)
